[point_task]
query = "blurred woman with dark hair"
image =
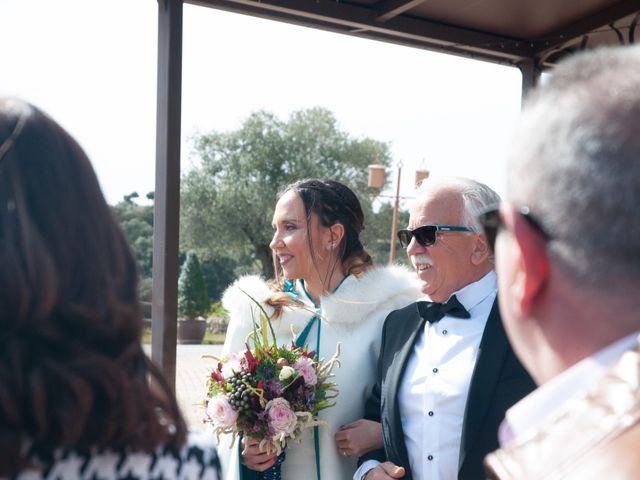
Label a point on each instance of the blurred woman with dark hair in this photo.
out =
(78, 397)
(327, 292)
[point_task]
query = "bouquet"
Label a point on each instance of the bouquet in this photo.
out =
(268, 392)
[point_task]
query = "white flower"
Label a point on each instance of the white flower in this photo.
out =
(285, 373)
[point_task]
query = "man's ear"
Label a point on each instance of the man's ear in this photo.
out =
(533, 275)
(480, 251)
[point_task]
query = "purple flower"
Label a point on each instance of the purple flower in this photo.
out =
(273, 389)
(311, 399)
(304, 367)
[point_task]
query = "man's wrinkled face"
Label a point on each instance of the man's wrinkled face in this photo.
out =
(444, 267)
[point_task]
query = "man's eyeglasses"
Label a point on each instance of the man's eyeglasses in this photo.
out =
(425, 235)
(491, 223)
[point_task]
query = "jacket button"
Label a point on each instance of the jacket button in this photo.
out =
(430, 414)
(430, 457)
(435, 370)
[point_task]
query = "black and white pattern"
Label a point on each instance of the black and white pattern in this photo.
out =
(197, 460)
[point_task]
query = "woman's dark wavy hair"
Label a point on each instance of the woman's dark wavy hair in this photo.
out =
(333, 202)
(72, 369)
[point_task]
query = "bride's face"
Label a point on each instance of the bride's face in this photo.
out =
(295, 241)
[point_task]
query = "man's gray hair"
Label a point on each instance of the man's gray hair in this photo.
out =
(476, 196)
(575, 163)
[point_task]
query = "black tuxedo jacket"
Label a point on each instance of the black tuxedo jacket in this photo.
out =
(498, 382)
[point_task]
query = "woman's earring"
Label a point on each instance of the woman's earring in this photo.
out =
(330, 246)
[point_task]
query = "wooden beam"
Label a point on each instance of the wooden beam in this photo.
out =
(387, 9)
(586, 25)
(167, 189)
(348, 18)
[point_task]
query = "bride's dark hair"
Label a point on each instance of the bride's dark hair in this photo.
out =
(72, 369)
(333, 202)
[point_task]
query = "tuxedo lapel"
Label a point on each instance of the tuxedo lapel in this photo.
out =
(401, 337)
(491, 355)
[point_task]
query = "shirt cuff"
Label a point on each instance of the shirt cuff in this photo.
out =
(364, 468)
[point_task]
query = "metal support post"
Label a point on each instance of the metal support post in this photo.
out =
(167, 188)
(530, 76)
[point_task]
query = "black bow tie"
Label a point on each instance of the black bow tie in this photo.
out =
(433, 312)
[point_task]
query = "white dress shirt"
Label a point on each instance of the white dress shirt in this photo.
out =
(433, 391)
(535, 408)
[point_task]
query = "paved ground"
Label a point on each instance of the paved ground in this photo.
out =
(191, 378)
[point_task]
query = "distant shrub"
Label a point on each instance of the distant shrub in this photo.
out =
(193, 300)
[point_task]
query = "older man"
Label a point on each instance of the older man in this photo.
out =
(446, 371)
(568, 262)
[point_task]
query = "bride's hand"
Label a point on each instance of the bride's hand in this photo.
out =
(254, 458)
(359, 437)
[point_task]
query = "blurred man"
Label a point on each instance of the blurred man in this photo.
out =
(568, 264)
(446, 371)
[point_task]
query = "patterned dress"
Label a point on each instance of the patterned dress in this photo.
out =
(196, 460)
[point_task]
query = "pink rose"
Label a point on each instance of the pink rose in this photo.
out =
(281, 418)
(220, 411)
(304, 367)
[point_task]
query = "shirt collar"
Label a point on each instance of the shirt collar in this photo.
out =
(543, 402)
(474, 293)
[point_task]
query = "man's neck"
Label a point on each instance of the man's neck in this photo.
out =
(474, 275)
(599, 322)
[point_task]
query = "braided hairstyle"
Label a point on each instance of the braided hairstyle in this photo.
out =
(333, 202)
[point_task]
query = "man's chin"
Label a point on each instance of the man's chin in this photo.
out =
(425, 288)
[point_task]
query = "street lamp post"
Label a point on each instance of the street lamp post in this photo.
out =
(376, 182)
(394, 221)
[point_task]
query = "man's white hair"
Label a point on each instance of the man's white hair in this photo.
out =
(575, 162)
(476, 196)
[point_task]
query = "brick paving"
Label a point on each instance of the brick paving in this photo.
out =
(191, 377)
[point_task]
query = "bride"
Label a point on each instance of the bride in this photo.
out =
(326, 292)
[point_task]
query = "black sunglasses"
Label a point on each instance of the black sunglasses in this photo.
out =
(425, 235)
(491, 223)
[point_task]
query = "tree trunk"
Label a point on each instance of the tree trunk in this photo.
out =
(263, 253)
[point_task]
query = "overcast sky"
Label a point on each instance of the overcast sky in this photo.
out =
(92, 66)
